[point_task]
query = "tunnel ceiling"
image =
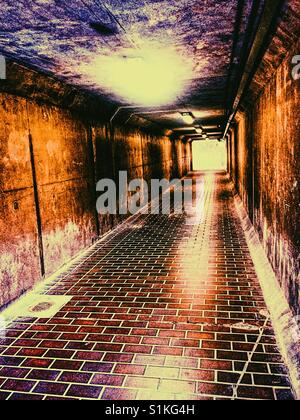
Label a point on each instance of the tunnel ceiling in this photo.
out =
(66, 38)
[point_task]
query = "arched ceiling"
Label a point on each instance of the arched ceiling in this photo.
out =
(194, 46)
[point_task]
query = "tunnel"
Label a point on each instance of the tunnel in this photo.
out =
(150, 201)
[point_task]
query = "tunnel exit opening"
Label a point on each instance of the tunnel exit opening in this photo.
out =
(209, 155)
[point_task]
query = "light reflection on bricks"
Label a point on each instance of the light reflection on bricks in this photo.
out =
(170, 310)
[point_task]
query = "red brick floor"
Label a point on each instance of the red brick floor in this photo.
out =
(164, 308)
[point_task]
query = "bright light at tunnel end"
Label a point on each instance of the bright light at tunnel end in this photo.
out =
(147, 77)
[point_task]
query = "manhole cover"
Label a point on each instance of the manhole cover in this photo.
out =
(40, 307)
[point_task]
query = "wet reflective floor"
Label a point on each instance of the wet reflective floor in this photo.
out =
(166, 307)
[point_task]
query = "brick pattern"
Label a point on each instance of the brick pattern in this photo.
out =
(164, 308)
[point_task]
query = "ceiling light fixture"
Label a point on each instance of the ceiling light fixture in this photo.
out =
(153, 77)
(188, 117)
(198, 130)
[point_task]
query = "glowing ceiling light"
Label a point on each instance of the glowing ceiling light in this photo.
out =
(188, 117)
(149, 77)
(198, 130)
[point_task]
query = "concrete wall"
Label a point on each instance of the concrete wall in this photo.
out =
(50, 159)
(19, 250)
(264, 161)
(141, 155)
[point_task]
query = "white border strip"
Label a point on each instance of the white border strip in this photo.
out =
(283, 320)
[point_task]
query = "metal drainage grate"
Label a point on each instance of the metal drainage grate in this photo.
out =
(41, 307)
(36, 306)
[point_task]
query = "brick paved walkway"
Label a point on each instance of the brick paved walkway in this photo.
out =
(165, 308)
